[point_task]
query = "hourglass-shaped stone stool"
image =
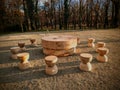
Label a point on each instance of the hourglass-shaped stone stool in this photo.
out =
(100, 45)
(91, 42)
(85, 64)
(102, 54)
(51, 67)
(14, 51)
(24, 64)
(22, 46)
(33, 42)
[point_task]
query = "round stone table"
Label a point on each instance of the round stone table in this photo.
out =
(59, 45)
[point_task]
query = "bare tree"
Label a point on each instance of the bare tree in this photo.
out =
(2, 14)
(66, 13)
(96, 8)
(115, 13)
(106, 13)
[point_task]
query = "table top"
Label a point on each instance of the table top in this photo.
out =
(60, 42)
(59, 38)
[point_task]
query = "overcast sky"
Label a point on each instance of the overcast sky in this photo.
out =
(43, 0)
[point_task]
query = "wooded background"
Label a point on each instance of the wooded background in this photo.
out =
(58, 15)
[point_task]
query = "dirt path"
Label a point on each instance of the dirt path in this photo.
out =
(105, 76)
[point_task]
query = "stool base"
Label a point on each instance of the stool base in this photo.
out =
(85, 67)
(23, 66)
(91, 45)
(51, 70)
(102, 58)
(14, 56)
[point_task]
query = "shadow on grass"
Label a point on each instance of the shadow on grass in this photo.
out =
(13, 74)
(36, 53)
(13, 40)
(6, 49)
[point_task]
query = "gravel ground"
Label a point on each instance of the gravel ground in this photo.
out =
(104, 76)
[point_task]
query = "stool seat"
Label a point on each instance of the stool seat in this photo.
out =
(102, 51)
(85, 57)
(15, 50)
(21, 44)
(23, 57)
(91, 40)
(32, 40)
(100, 44)
(51, 60)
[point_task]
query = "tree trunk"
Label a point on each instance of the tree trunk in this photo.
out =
(115, 13)
(60, 21)
(66, 14)
(96, 18)
(26, 18)
(116, 17)
(30, 9)
(80, 15)
(106, 15)
(2, 15)
(55, 18)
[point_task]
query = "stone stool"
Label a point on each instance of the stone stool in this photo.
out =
(100, 45)
(51, 67)
(91, 42)
(22, 46)
(24, 64)
(33, 42)
(14, 51)
(102, 54)
(85, 64)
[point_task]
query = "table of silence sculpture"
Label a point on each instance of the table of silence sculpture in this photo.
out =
(61, 45)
